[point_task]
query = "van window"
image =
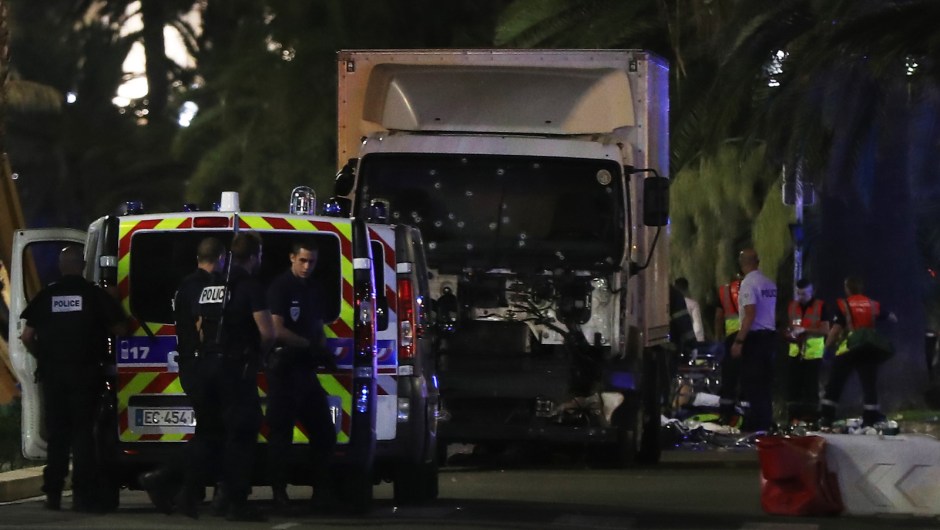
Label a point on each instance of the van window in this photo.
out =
(41, 262)
(160, 260)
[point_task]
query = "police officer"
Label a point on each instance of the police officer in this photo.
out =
(808, 327)
(294, 392)
(210, 259)
(858, 347)
(755, 344)
(67, 327)
(163, 484)
(235, 330)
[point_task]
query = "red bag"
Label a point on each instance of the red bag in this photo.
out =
(794, 477)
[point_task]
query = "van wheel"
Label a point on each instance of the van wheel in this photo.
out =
(415, 483)
(356, 489)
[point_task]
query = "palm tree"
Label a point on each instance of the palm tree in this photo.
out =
(267, 119)
(155, 15)
(855, 116)
(838, 111)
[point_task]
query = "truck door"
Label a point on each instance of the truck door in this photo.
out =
(35, 265)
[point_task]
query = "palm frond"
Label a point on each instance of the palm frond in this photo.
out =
(27, 96)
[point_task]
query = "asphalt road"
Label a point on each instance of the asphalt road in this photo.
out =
(689, 490)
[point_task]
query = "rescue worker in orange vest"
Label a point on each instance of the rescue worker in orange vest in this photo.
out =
(857, 346)
(727, 324)
(808, 327)
(727, 321)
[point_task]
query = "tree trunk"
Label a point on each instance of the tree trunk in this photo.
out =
(154, 19)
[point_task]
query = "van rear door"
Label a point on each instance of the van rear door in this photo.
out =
(35, 265)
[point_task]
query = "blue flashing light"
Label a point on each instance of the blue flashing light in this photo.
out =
(622, 381)
(362, 399)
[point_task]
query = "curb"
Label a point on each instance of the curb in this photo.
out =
(20, 484)
(930, 428)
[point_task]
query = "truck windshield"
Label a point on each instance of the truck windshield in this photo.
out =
(488, 211)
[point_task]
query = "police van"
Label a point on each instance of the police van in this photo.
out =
(383, 392)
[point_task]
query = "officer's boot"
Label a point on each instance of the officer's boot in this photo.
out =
(324, 498)
(158, 485)
(187, 501)
(53, 500)
(220, 501)
(242, 511)
(53, 490)
(279, 498)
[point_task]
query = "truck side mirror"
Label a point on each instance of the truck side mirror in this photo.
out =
(656, 201)
(345, 178)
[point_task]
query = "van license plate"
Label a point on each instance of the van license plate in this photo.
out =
(165, 418)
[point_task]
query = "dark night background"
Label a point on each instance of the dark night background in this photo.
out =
(841, 96)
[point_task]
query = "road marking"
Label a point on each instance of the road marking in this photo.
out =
(588, 521)
(779, 526)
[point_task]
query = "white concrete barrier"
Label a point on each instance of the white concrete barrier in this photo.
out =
(886, 474)
(20, 484)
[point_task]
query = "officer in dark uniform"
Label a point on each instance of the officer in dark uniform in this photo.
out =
(294, 392)
(67, 327)
(234, 329)
(210, 260)
(162, 485)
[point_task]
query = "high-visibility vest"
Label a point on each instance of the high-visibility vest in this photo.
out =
(728, 297)
(810, 319)
(860, 312)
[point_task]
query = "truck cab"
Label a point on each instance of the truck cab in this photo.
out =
(534, 178)
(370, 288)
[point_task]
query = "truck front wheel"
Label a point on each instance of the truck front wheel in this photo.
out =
(654, 381)
(637, 420)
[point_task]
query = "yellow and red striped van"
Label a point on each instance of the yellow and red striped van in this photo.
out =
(383, 397)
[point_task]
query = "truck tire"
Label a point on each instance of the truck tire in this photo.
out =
(637, 420)
(416, 483)
(355, 487)
(654, 375)
(624, 450)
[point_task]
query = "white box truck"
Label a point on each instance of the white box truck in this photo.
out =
(534, 177)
